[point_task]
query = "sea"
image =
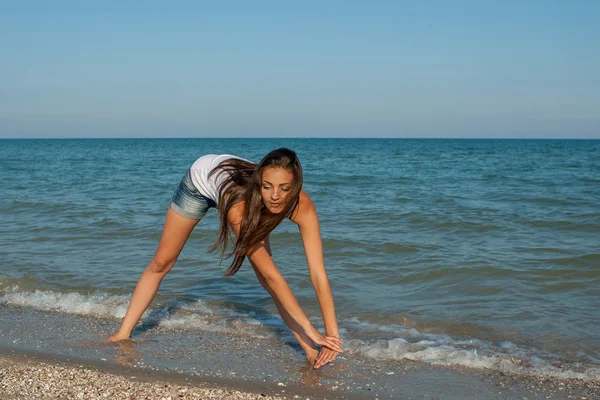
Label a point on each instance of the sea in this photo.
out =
(482, 254)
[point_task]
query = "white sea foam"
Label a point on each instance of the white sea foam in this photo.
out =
(178, 316)
(98, 305)
(473, 353)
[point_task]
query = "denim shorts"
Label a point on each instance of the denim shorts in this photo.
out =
(188, 201)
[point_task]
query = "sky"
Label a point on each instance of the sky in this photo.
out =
(473, 69)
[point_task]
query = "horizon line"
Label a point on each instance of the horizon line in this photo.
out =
(298, 137)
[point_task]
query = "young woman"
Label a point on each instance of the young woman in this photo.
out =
(252, 200)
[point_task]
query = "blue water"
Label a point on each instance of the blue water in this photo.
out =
(458, 252)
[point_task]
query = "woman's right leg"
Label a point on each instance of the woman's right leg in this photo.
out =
(175, 233)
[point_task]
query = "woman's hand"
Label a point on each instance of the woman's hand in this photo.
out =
(330, 342)
(325, 356)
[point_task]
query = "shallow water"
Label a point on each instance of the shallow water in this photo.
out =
(481, 253)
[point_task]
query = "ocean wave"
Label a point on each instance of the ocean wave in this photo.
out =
(579, 261)
(435, 353)
(96, 305)
(440, 349)
(177, 315)
(574, 226)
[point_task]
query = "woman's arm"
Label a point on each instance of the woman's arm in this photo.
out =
(260, 257)
(308, 223)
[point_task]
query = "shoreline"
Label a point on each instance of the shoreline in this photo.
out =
(60, 355)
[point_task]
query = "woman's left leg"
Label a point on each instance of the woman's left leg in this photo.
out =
(175, 233)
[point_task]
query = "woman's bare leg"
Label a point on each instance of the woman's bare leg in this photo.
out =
(175, 233)
(305, 342)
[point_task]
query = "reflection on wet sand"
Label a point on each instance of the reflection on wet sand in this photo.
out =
(129, 354)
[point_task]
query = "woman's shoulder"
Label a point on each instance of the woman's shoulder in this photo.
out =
(304, 199)
(304, 207)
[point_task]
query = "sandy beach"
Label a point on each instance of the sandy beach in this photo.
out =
(25, 377)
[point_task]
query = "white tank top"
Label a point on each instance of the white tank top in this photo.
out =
(199, 171)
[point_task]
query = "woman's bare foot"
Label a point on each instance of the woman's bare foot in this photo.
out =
(311, 355)
(117, 337)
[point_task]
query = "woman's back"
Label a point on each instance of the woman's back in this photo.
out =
(208, 185)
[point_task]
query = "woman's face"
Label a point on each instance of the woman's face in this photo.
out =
(275, 185)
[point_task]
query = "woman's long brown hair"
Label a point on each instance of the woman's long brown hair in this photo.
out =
(243, 181)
